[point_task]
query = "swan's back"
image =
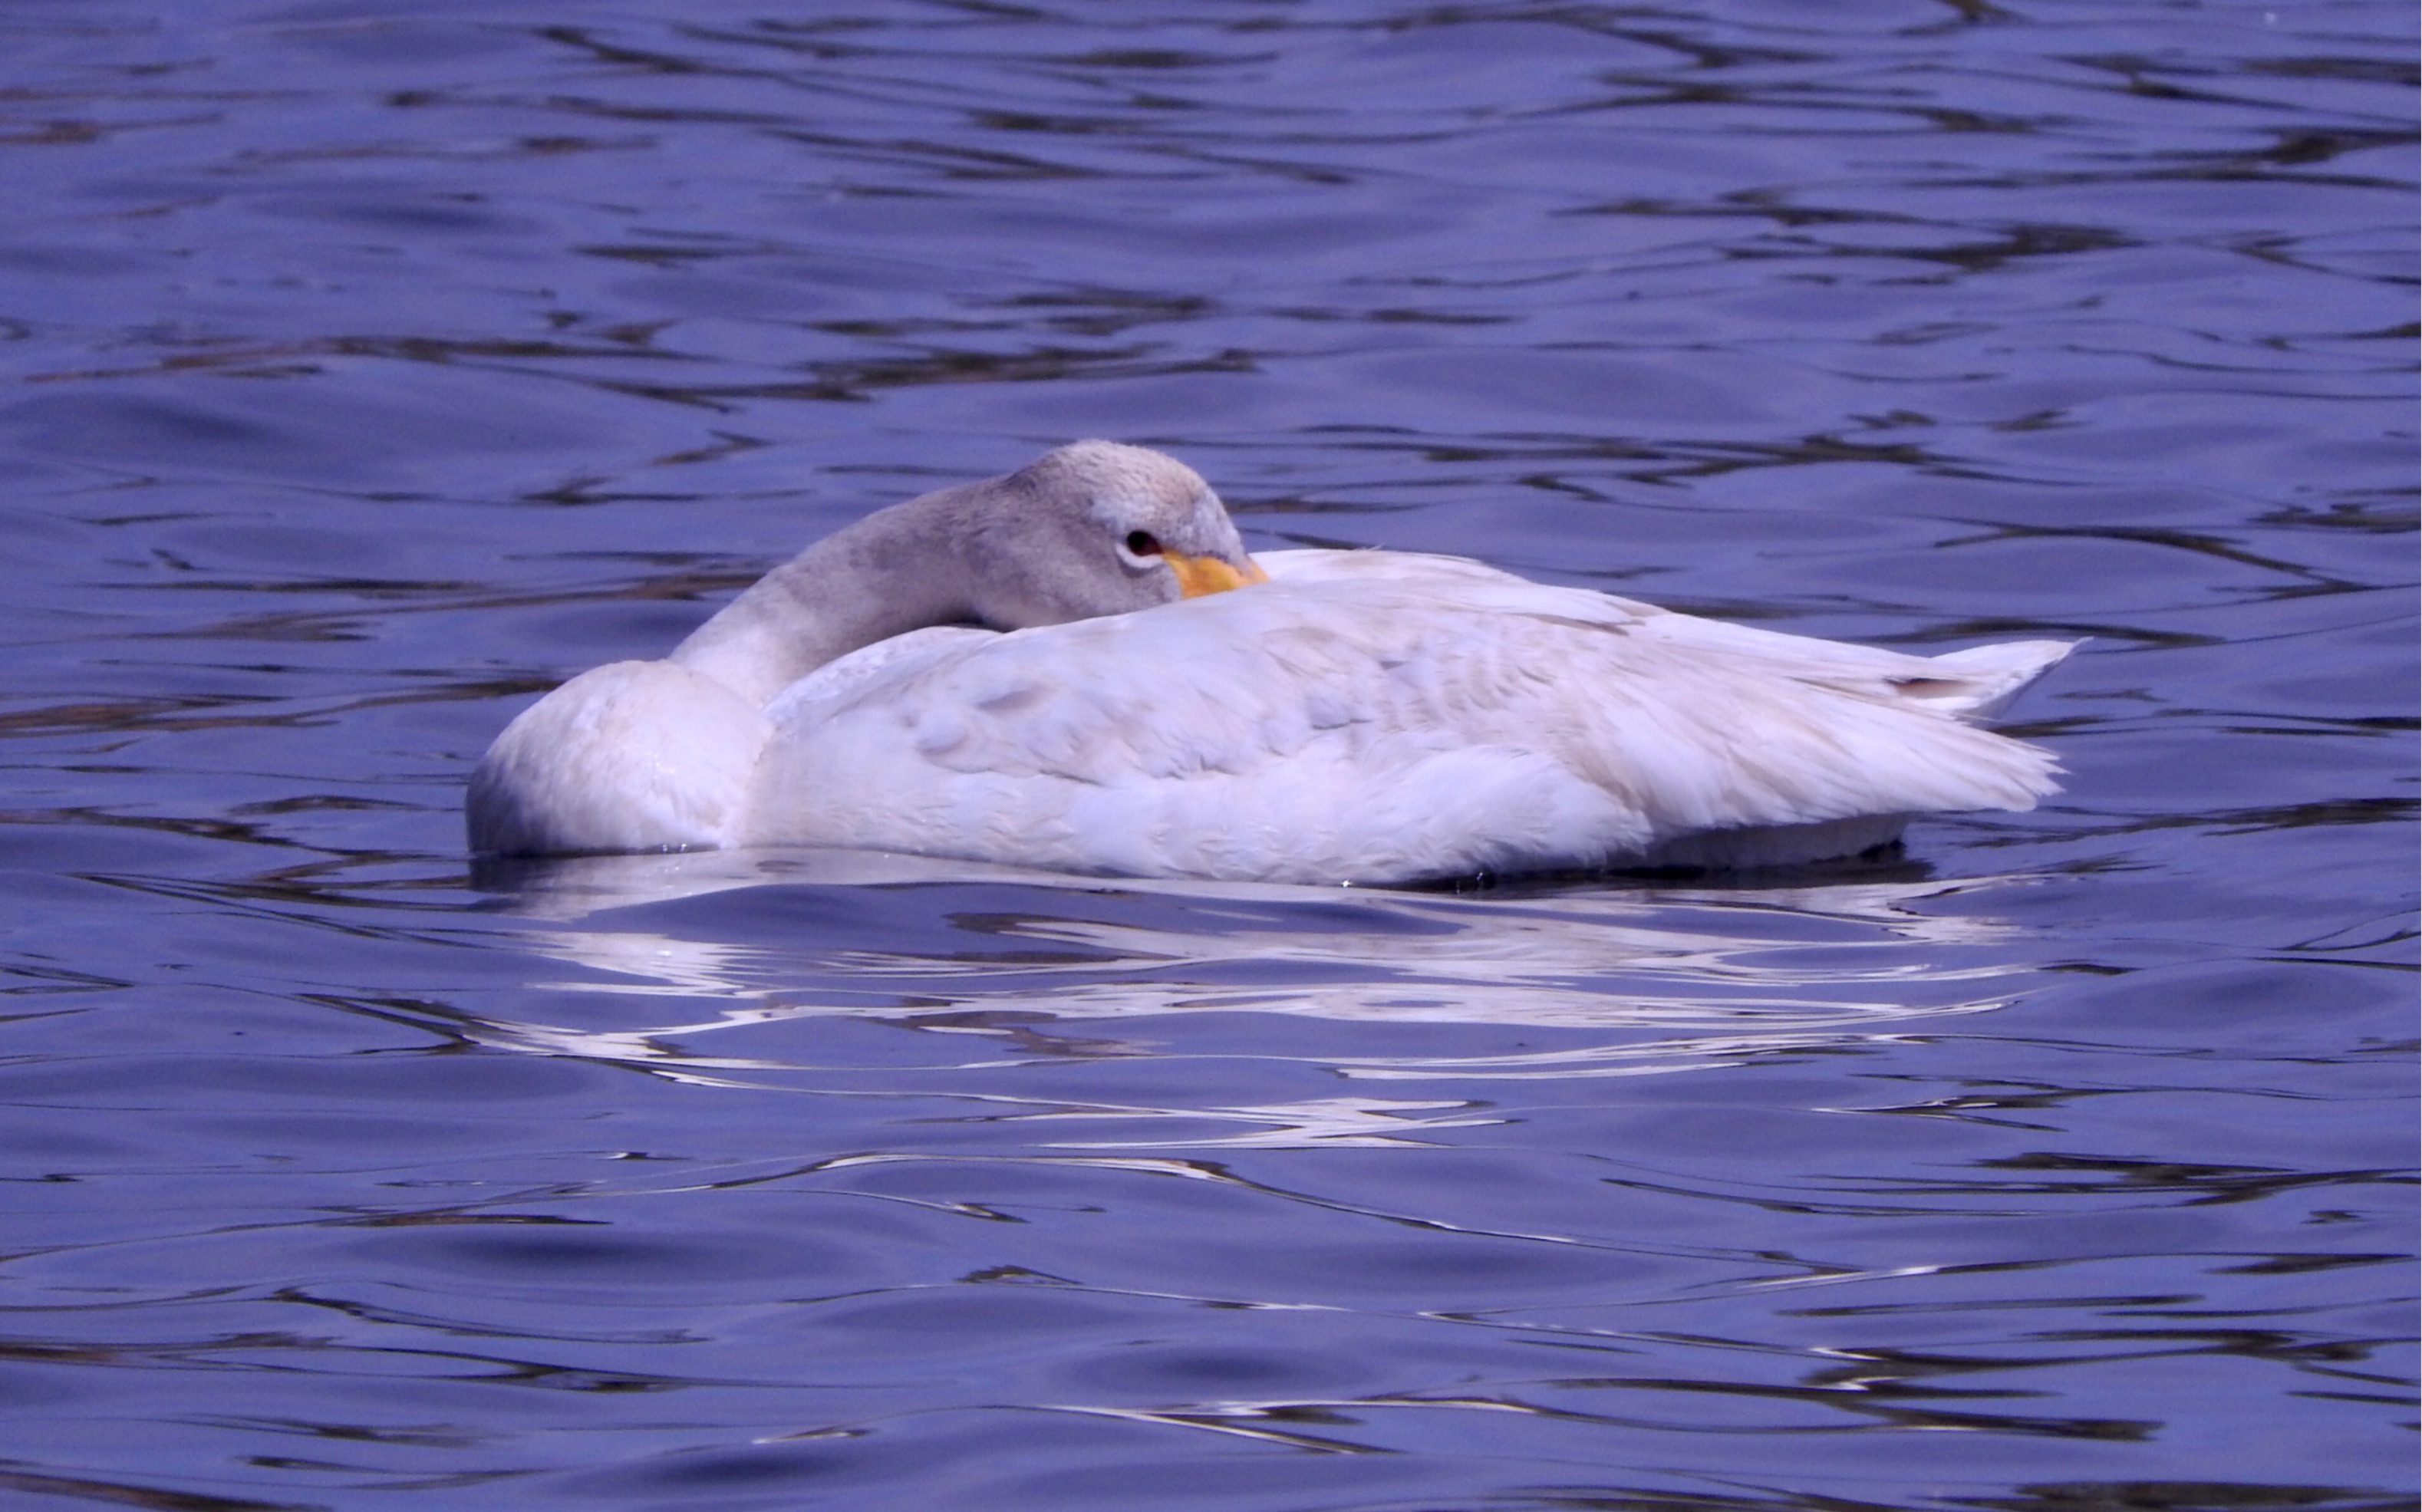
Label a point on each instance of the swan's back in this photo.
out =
(1383, 718)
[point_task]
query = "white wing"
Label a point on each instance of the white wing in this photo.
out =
(1979, 680)
(1375, 716)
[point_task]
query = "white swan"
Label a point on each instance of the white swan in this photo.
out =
(1044, 669)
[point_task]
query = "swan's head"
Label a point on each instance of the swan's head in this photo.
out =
(1097, 528)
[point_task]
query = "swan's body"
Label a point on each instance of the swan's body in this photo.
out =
(1363, 716)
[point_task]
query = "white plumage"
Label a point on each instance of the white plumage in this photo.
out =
(1362, 716)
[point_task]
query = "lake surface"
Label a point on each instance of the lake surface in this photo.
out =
(366, 369)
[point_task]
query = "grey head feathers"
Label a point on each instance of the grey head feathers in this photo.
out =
(1086, 530)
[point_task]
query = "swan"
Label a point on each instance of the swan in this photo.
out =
(1077, 667)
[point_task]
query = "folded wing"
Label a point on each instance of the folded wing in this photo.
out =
(1381, 717)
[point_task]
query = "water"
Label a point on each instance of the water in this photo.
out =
(369, 367)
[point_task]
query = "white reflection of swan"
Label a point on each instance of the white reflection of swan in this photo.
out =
(1324, 1122)
(1694, 979)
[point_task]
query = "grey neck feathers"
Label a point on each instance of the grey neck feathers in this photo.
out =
(898, 570)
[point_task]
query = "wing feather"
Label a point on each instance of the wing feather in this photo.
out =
(1370, 717)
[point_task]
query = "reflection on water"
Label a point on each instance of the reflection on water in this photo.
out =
(1712, 972)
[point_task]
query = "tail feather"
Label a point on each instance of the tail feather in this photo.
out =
(1981, 681)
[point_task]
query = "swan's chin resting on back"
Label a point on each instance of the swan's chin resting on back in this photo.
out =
(1040, 670)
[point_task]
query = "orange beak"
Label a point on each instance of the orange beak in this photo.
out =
(1198, 575)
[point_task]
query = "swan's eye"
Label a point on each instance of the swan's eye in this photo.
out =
(1141, 544)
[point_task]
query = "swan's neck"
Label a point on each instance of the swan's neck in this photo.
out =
(897, 570)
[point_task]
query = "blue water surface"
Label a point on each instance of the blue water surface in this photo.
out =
(369, 367)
